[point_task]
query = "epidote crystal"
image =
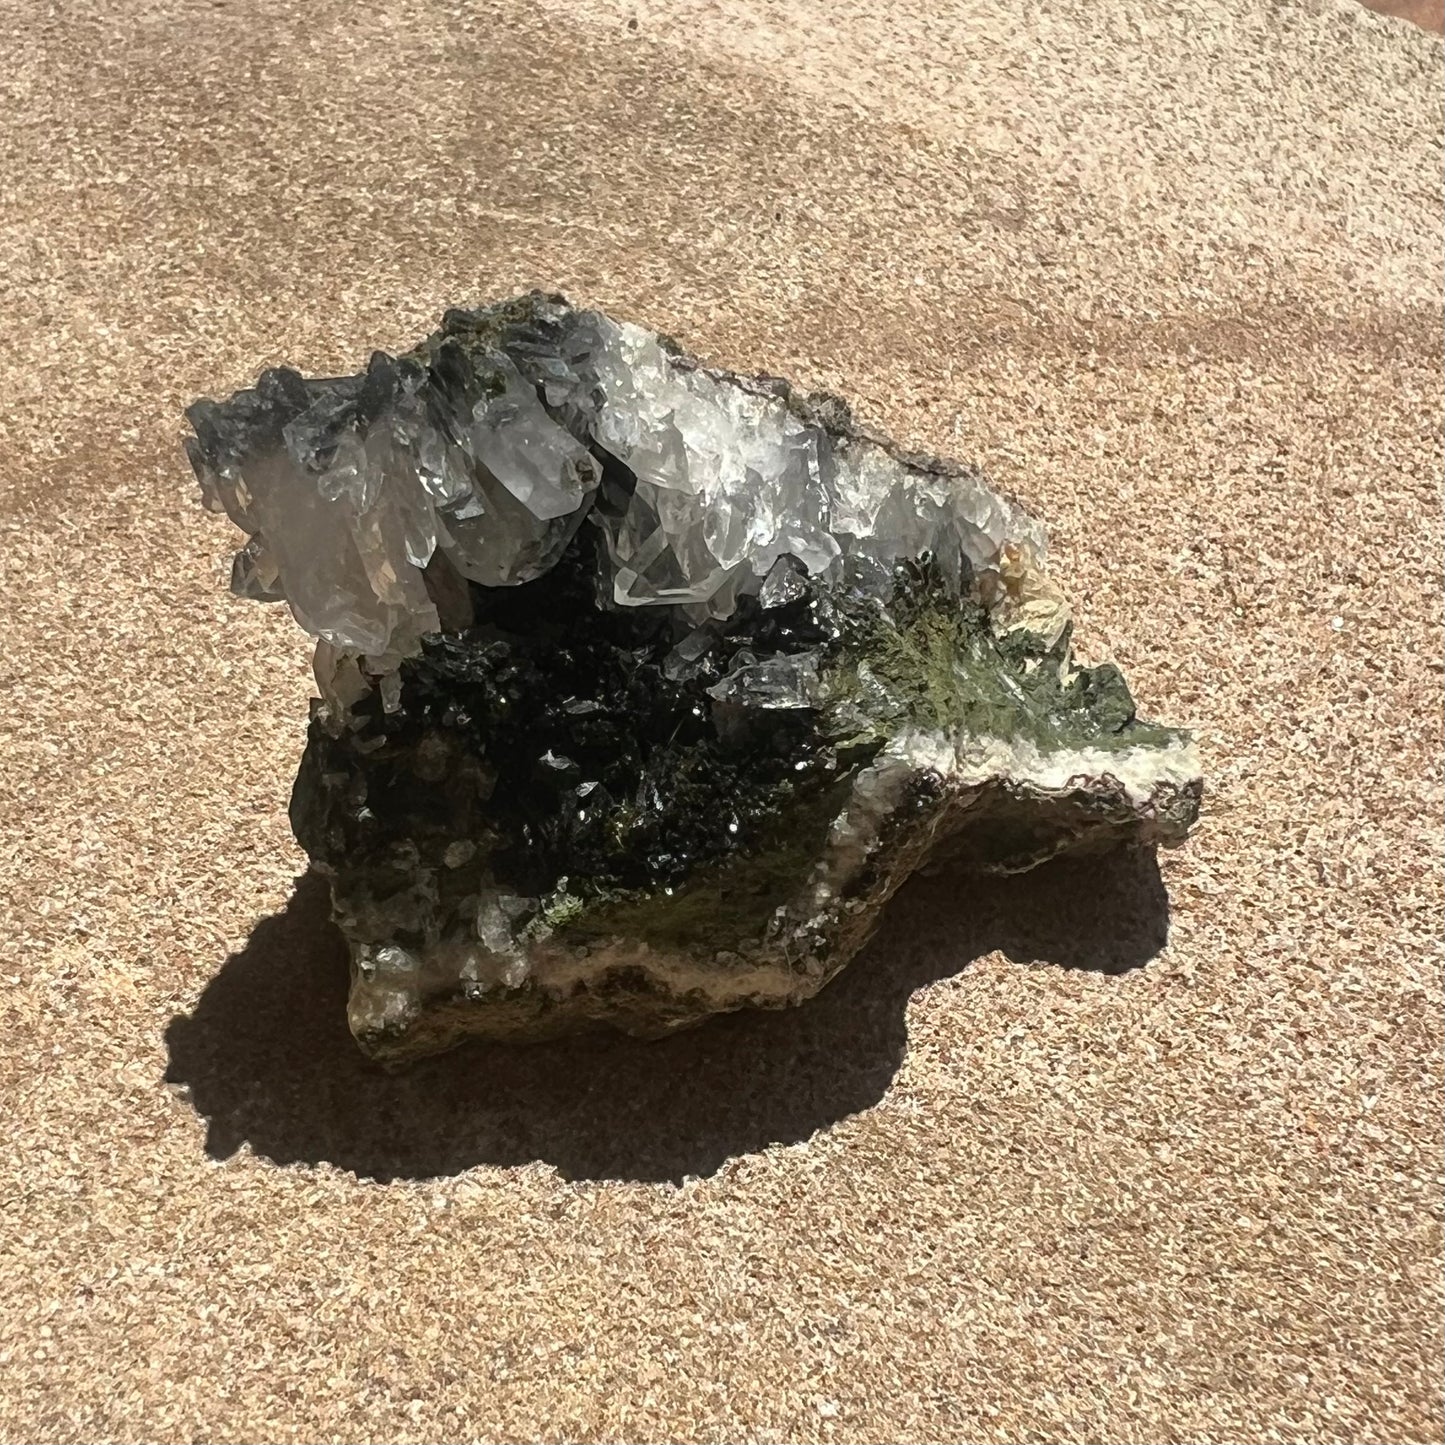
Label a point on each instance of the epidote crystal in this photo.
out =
(643, 685)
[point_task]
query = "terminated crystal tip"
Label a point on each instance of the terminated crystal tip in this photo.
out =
(644, 685)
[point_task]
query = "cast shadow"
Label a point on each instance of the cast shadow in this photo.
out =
(269, 1062)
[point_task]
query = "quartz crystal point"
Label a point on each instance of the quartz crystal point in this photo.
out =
(643, 685)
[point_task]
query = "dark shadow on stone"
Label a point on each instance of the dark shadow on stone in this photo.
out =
(269, 1062)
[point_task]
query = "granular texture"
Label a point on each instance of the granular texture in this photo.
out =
(1170, 273)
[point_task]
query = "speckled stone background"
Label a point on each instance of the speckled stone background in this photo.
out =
(1113, 1152)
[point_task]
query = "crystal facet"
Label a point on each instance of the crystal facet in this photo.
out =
(645, 684)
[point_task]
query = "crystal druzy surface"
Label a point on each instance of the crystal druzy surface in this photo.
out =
(643, 685)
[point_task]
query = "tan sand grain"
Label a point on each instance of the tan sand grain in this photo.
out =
(1171, 272)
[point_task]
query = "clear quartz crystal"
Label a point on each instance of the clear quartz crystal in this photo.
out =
(348, 488)
(546, 470)
(787, 681)
(684, 659)
(784, 583)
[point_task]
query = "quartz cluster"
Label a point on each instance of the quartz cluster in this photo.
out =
(643, 685)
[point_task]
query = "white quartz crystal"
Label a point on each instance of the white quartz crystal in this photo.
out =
(348, 501)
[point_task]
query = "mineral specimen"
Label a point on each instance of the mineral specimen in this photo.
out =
(643, 685)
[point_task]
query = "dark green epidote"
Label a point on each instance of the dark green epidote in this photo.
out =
(556, 737)
(597, 765)
(563, 742)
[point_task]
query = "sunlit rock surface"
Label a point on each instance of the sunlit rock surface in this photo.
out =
(644, 685)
